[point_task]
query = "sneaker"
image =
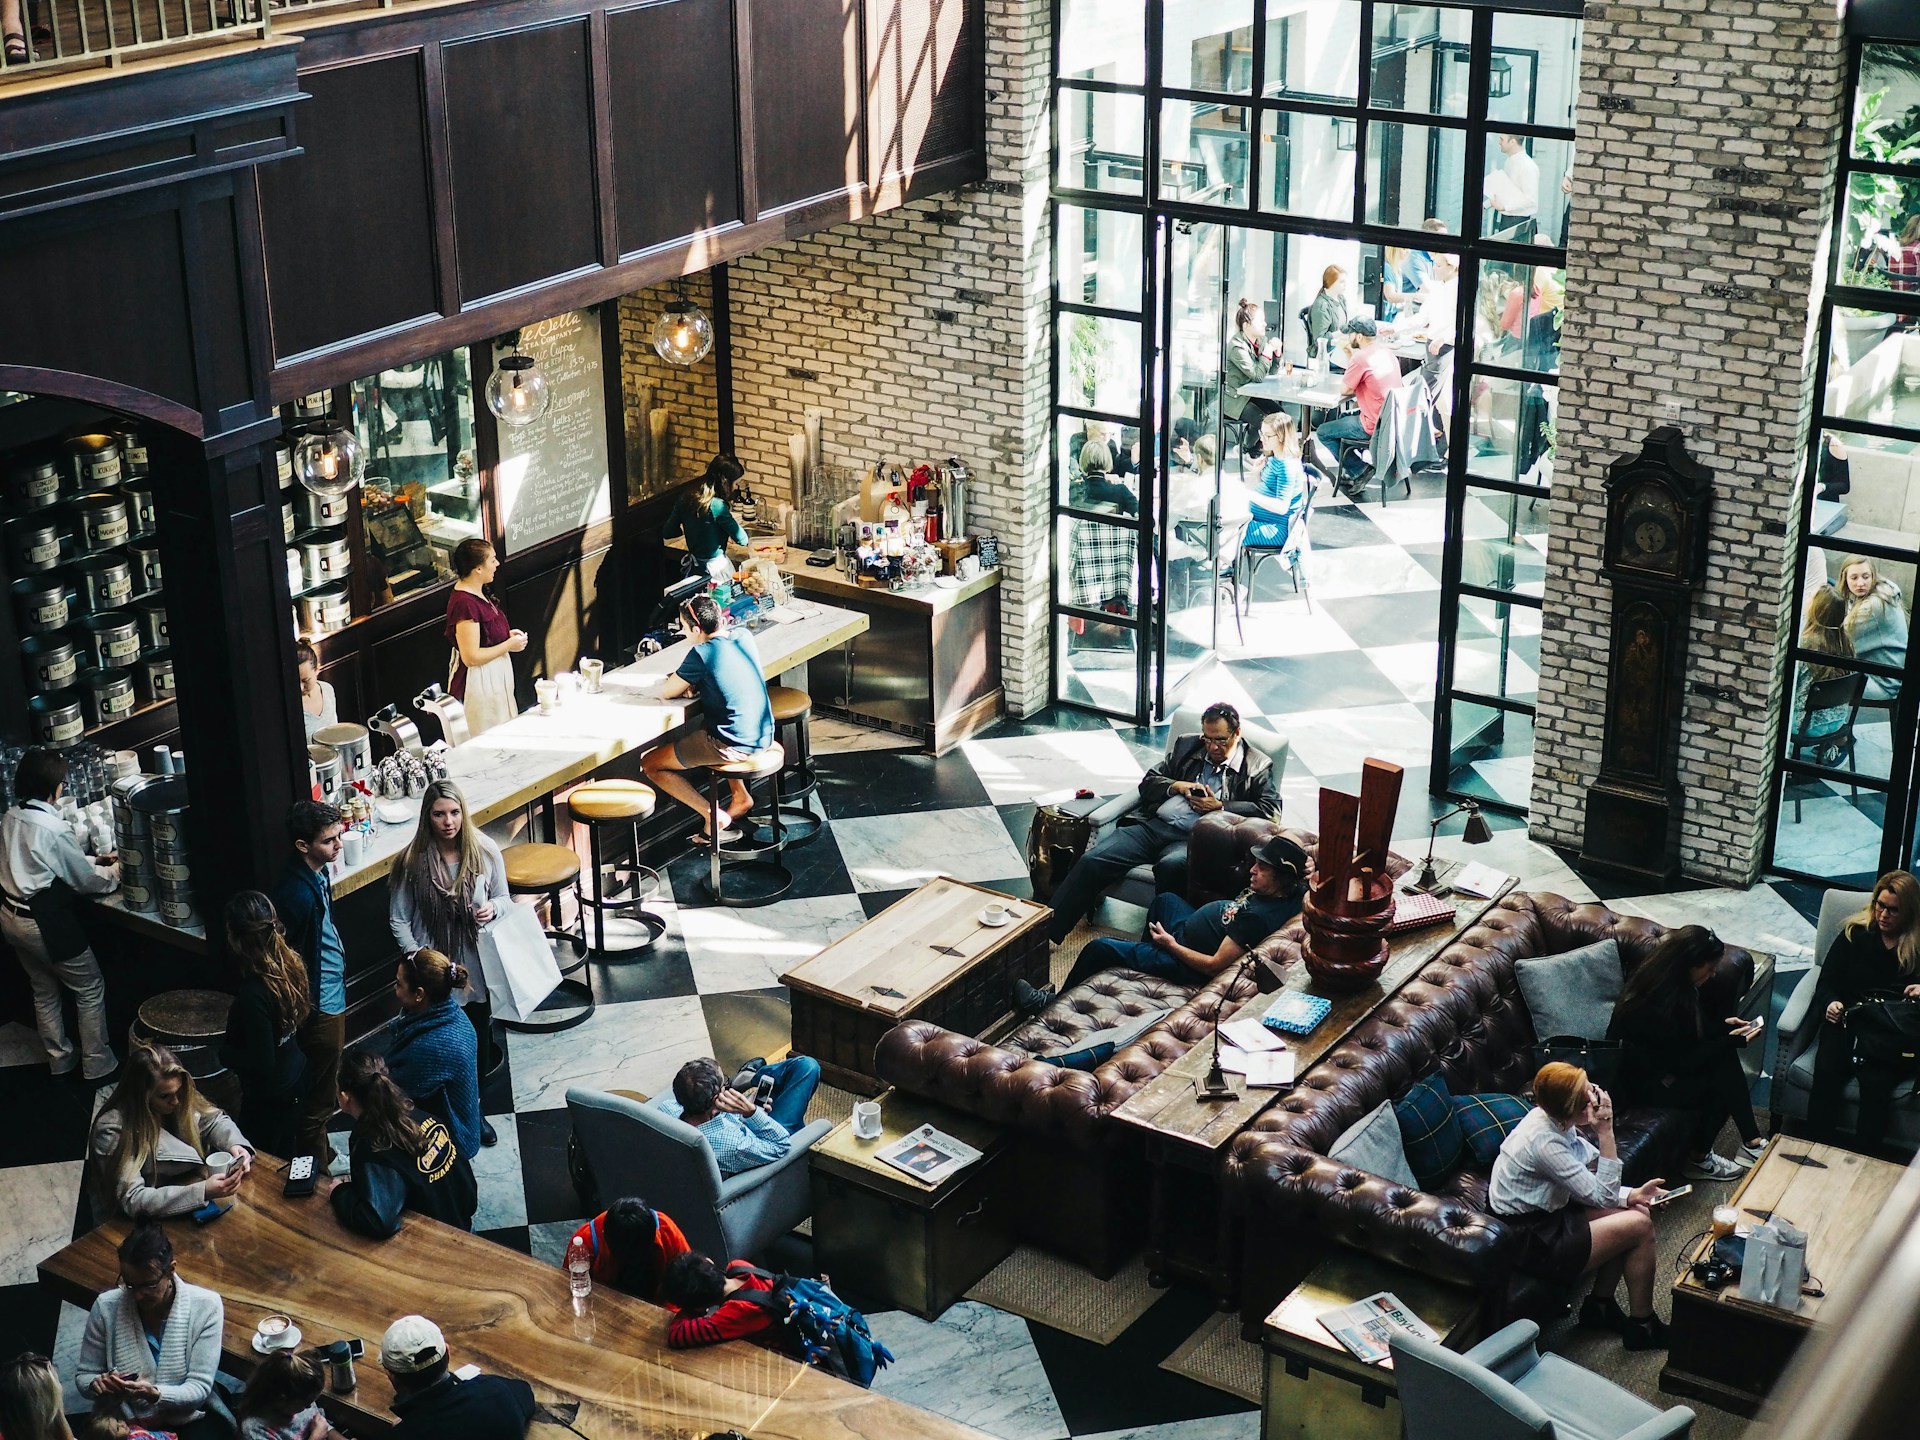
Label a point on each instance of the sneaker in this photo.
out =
(1644, 1333)
(1030, 1000)
(749, 1074)
(1748, 1156)
(1712, 1167)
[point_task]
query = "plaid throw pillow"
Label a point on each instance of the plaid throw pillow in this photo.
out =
(1431, 1131)
(1486, 1120)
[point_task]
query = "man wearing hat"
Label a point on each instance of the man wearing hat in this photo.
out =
(1192, 946)
(434, 1405)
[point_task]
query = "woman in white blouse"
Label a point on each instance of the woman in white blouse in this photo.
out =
(1562, 1195)
(318, 707)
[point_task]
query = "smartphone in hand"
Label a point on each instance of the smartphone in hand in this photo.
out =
(1667, 1197)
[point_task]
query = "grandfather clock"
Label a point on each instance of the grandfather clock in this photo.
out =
(1655, 554)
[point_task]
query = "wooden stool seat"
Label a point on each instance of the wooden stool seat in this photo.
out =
(534, 868)
(756, 766)
(789, 704)
(611, 800)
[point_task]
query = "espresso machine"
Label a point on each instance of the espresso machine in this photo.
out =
(452, 715)
(404, 734)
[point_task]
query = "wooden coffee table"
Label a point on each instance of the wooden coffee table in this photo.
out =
(1729, 1351)
(928, 957)
(1192, 1235)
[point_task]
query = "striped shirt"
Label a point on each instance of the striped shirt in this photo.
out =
(1543, 1165)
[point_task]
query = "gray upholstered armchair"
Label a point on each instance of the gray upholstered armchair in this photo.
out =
(1505, 1389)
(1800, 1031)
(634, 1149)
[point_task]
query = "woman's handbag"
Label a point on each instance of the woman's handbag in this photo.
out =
(517, 959)
(1886, 1030)
(1599, 1058)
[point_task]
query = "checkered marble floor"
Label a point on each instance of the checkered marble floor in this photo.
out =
(711, 987)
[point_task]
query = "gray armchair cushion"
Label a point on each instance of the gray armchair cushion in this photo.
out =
(1572, 993)
(1373, 1144)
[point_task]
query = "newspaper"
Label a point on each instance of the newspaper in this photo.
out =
(929, 1155)
(1366, 1326)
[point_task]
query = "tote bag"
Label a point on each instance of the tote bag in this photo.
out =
(517, 960)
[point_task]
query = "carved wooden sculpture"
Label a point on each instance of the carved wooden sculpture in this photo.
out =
(1350, 903)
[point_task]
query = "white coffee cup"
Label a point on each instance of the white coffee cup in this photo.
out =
(351, 845)
(995, 913)
(548, 693)
(590, 673)
(218, 1163)
(866, 1119)
(275, 1332)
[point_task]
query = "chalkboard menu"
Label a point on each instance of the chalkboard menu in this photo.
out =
(552, 475)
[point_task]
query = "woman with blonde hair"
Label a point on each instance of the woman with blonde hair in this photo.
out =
(1825, 630)
(447, 883)
(1876, 622)
(1562, 1194)
(148, 1152)
(1876, 952)
(30, 1404)
(261, 1046)
(1281, 487)
(432, 1057)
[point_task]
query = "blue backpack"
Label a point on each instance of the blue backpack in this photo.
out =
(818, 1327)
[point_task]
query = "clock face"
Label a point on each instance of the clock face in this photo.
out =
(1649, 533)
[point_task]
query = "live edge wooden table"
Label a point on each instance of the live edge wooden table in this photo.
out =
(926, 957)
(1190, 1233)
(501, 1310)
(1730, 1352)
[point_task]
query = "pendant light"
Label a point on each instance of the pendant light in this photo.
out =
(327, 462)
(517, 391)
(683, 335)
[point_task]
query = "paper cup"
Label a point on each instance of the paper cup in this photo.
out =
(590, 673)
(866, 1119)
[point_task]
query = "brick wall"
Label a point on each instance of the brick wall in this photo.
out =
(689, 395)
(1708, 133)
(922, 334)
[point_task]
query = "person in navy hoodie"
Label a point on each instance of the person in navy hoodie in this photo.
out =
(435, 1057)
(304, 900)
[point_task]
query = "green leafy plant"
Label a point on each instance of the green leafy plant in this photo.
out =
(1878, 205)
(1087, 347)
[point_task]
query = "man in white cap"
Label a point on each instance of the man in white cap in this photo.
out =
(435, 1405)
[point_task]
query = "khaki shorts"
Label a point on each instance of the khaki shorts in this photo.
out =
(702, 748)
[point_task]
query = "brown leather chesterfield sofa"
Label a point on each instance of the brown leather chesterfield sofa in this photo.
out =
(1464, 1017)
(1083, 1179)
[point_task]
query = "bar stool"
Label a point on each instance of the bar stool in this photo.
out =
(597, 805)
(550, 871)
(792, 708)
(760, 880)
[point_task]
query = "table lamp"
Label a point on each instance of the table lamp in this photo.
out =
(1476, 833)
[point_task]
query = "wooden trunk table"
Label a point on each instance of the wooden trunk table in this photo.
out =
(1729, 1351)
(1317, 1389)
(927, 957)
(1191, 1234)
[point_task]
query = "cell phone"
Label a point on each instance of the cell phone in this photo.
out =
(356, 1347)
(763, 1089)
(210, 1212)
(466, 1372)
(301, 1177)
(1668, 1196)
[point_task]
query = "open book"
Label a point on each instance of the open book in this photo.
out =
(929, 1155)
(1366, 1326)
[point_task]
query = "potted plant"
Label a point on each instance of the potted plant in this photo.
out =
(1877, 207)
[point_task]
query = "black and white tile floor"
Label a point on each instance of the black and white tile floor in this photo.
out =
(710, 987)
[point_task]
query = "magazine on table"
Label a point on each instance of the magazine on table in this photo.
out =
(1366, 1326)
(1481, 881)
(929, 1155)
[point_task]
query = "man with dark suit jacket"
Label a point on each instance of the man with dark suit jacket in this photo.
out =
(1213, 770)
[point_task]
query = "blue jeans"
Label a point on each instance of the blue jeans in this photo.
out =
(794, 1082)
(1147, 841)
(1343, 430)
(1109, 954)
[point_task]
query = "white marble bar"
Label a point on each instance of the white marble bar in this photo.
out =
(532, 755)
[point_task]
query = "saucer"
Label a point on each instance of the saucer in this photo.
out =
(293, 1342)
(1006, 919)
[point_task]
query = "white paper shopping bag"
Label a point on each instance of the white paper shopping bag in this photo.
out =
(1775, 1265)
(517, 959)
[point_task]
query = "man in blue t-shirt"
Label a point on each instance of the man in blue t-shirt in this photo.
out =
(735, 713)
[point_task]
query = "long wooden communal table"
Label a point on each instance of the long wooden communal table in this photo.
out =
(1190, 1233)
(501, 1310)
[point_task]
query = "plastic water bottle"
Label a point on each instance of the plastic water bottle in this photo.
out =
(579, 1273)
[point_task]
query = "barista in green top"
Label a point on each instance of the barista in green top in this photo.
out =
(701, 514)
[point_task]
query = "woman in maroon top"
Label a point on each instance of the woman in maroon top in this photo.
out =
(480, 674)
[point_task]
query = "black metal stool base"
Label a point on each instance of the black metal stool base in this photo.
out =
(567, 1019)
(616, 913)
(747, 883)
(740, 873)
(798, 824)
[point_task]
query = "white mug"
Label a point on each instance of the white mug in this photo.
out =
(995, 913)
(275, 1332)
(218, 1163)
(866, 1119)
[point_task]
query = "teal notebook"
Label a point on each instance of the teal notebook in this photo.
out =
(1295, 1013)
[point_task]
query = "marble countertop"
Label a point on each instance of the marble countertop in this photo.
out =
(533, 754)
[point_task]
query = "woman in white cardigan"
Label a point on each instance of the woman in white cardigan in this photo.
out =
(150, 1143)
(152, 1344)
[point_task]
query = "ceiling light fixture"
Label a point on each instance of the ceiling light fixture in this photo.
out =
(327, 461)
(683, 335)
(517, 391)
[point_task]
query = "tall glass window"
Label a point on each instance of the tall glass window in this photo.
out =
(1844, 800)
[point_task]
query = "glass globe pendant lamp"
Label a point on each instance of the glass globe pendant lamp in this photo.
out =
(683, 335)
(327, 462)
(517, 391)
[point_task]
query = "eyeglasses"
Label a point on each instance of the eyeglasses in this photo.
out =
(1883, 908)
(147, 1287)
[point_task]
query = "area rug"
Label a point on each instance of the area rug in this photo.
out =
(1216, 1356)
(1062, 1296)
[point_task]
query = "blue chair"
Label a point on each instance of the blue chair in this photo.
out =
(1505, 1389)
(1252, 557)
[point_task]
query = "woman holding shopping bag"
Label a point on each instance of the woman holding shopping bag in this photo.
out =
(480, 675)
(447, 883)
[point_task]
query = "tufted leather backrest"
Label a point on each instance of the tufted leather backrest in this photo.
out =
(1462, 1015)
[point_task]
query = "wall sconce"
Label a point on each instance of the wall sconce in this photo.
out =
(683, 335)
(1346, 133)
(517, 391)
(1500, 78)
(327, 462)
